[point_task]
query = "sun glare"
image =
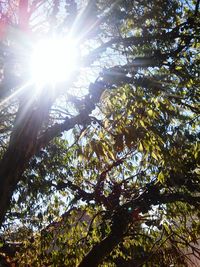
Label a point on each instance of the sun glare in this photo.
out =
(53, 60)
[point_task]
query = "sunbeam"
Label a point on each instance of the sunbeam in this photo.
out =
(78, 21)
(15, 93)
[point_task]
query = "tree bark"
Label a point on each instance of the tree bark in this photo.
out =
(28, 122)
(98, 253)
(11, 168)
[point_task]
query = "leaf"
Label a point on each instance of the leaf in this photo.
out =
(110, 154)
(150, 112)
(154, 156)
(178, 68)
(142, 123)
(161, 177)
(140, 147)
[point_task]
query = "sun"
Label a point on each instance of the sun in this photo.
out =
(53, 60)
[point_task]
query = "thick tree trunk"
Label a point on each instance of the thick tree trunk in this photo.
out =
(11, 168)
(29, 120)
(121, 220)
(99, 252)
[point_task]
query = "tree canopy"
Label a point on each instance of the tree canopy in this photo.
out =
(101, 169)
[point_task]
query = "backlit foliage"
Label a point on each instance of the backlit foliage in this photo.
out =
(103, 170)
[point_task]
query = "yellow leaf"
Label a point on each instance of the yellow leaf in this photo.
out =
(142, 123)
(161, 177)
(110, 155)
(150, 112)
(154, 155)
(140, 147)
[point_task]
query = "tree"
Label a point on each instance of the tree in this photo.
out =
(109, 177)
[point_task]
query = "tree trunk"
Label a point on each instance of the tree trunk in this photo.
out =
(29, 120)
(11, 168)
(98, 253)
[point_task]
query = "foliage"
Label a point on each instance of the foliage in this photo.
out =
(106, 176)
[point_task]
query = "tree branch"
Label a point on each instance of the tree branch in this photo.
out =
(121, 219)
